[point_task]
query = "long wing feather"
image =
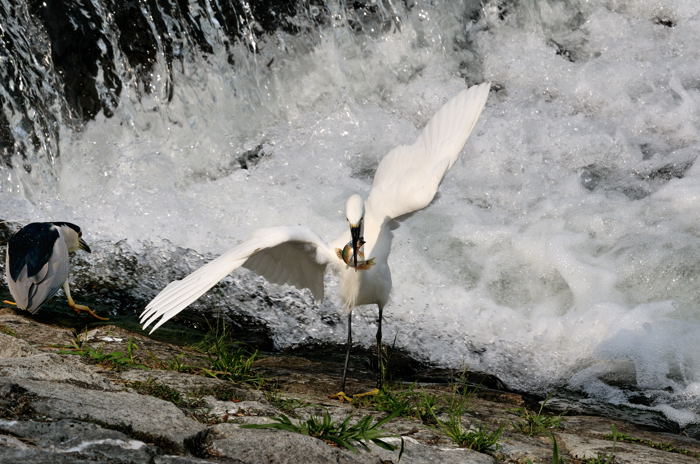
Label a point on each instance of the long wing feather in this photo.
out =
(291, 255)
(409, 175)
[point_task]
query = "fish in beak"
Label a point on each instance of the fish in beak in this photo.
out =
(357, 242)
(83, 246)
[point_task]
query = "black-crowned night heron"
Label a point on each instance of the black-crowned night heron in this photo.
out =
(406, 181)
(37, 264)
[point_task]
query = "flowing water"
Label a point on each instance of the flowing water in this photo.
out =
(562, 250)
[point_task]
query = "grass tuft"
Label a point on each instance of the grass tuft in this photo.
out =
(342, 434)
(8, 330)
(154, 388)
(536, 423)
(228, 359)
(287, 405)
(115, 359)
(404, 403)
(480, 439)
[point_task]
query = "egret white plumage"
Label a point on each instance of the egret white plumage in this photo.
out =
(406, 181)
(37, 264)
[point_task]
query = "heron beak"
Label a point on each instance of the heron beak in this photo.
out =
(356, 239)
(84, 246)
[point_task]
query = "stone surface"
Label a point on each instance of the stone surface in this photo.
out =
(140, 416)
(57, 408)
(274, 446)
(70, 441)
(13, 347)
(189, 383)
(625, 453)
(230, 409)
(418, 453)
(54, 368)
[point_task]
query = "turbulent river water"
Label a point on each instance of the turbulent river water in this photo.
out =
(564, 246)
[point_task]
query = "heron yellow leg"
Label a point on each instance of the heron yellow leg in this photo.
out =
(80, 308)
(9, 302)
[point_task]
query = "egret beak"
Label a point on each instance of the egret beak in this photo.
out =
(356, 239)
(84, 246)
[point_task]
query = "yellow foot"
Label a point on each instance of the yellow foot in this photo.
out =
(81, 308)
(342, 397)
(374, 391)
(9, 302)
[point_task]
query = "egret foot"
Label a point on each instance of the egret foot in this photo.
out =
(9, 302)
(342, 397)
(372, 392)
(81, 308)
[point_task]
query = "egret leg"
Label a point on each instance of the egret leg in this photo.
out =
(348, 345)
(341, 396)
(380, 352)
(80, 308)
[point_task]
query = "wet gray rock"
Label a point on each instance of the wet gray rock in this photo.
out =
(570, 403)
(140, 416)
(256, 446)
(171, 459)
(12, 347)
(54, 368)
(189, 383)
(69, 441)
(228, 409)
(625, 453)
(417, 453)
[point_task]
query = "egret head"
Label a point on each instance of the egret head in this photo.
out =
(73, 236)
(355, 213)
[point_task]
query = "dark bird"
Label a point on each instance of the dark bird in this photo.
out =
(37, 264)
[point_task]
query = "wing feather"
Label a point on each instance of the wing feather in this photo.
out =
(283, 255)
(409, 175)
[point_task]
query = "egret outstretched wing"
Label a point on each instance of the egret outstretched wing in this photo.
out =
(291, 255)
(409, 175)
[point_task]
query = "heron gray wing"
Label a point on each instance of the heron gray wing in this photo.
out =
(31, 246)
(32, 288)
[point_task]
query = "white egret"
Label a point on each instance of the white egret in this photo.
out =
(406, 181)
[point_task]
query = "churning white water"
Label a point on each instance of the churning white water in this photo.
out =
(564, 247)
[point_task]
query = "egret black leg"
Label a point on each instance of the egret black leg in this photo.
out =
(347, 352)
(380, 352)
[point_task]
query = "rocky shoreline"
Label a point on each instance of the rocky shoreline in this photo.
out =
(108, 394)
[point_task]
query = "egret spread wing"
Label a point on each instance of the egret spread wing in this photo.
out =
(291, 255)
(409, 175)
